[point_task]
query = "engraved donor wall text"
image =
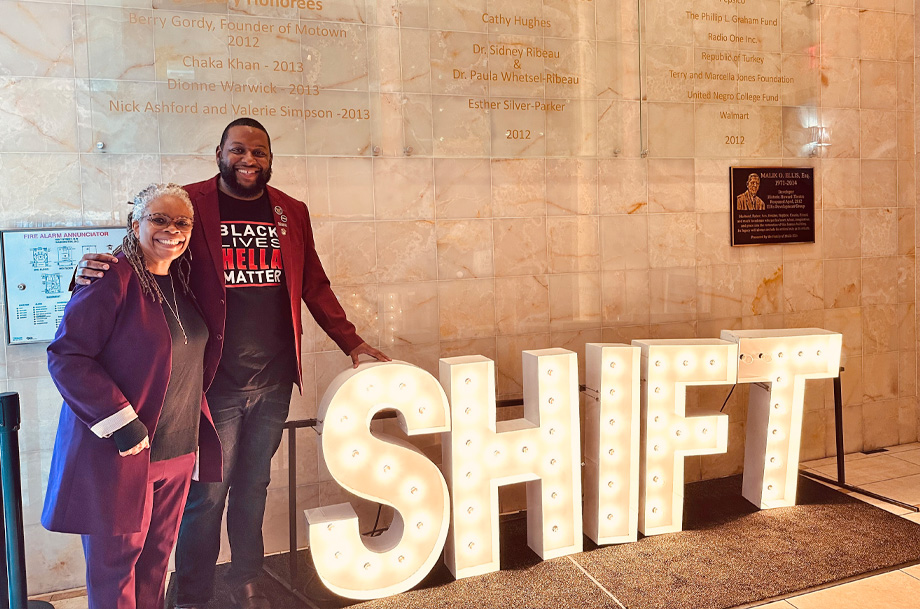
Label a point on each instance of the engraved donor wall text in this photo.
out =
(736, 72)
(435, 78)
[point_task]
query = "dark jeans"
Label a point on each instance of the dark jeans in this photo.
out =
(250, 426)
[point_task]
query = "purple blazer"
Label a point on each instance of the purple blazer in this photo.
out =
(111, 352)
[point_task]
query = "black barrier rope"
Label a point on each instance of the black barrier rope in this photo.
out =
(11, 484)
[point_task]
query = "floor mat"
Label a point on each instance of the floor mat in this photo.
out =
(728, 554)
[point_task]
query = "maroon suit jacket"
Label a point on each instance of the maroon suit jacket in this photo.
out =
(303, 273)
(111, 351)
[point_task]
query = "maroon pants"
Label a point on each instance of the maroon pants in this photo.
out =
(129, 571)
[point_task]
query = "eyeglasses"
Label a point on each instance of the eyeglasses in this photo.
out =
(161, 221)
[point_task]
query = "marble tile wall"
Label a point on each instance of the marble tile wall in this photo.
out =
(443, 237)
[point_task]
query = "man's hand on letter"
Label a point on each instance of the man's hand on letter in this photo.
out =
(365, 349)
(92, 266)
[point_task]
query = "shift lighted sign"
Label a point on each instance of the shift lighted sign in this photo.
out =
(637, 435)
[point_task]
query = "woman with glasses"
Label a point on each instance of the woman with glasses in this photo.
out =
(128, 358)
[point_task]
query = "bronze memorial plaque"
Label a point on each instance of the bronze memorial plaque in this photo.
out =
(772, 205)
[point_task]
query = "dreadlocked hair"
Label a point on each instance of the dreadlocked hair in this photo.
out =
(131, 247)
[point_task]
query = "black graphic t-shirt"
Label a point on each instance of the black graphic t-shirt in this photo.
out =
(258, 337)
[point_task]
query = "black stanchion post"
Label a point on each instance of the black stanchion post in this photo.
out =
(838, 428)
(4, 600)
(11, 483)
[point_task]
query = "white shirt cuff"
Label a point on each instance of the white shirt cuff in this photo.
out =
(109, 425)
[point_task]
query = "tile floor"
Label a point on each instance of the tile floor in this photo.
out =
(894, 472)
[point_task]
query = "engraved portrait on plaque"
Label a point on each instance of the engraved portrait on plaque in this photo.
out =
(748, 199)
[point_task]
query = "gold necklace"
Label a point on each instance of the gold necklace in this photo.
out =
(174, 307)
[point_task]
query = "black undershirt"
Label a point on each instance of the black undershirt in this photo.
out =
(177, 428)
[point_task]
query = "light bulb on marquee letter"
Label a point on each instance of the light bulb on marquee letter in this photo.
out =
(783, 359)
(668, 435)
(542, 449)
(612, 443)
(383, 469)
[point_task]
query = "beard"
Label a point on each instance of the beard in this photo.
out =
(229, 176)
